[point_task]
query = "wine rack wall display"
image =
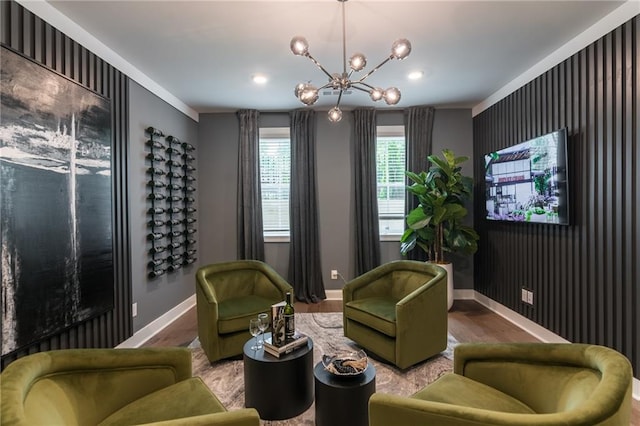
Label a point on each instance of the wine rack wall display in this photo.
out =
(171, 197)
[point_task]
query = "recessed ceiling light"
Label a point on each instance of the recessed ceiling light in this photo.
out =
(415, 75)
(260, 78)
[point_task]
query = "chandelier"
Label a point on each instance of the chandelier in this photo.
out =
(307, 93)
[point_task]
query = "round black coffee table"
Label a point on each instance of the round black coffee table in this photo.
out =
(343, 400)
(279, 388)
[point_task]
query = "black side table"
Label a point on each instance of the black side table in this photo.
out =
(343, 400)
(279, 388)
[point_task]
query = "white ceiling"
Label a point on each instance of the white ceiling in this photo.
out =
(205, 52)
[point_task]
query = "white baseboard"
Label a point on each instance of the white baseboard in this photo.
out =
(333, 294)
(526, 324)
(464, 294)
(157, 325)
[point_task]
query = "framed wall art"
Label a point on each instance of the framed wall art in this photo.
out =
(55, 202)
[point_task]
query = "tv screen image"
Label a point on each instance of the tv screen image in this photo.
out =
(527, 182)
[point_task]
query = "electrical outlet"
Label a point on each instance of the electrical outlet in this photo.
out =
(530, 297)
(523, 295)
(134, 310)
(334, 274)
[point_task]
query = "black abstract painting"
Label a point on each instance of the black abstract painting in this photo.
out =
(55, 202)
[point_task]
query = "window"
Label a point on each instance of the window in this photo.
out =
(275, 177)
(390, 167)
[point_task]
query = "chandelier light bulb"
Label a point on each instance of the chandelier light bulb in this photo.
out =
(376, 94)
(392, 96)
(299, 88)
(357, 62)
(400, 49)
(309, 95)
(335, 114)
(299, 46)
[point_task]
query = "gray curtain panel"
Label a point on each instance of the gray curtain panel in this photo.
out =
(418, 130)
(305, 270)
(367, 234)
(249, 231)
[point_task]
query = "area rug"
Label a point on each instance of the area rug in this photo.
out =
(226, 378)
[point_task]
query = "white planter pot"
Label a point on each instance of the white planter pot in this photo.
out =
(449, 268)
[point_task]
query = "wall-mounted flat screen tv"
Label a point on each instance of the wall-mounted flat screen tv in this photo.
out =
(527, 182)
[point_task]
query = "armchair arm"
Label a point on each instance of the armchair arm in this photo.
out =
(576, 354)
(421, 322)
(207, 289)
(241, 417)
(207, 314)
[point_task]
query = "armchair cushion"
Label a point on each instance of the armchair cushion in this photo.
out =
(461, 391)
(165, 404)
(378, 313)
(234, 313)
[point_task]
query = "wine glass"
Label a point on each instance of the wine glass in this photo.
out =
(254, 329)
(263, 319)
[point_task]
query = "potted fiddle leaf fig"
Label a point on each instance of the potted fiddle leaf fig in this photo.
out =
(435, 225)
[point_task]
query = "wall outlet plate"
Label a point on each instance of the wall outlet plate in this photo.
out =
(334, 274)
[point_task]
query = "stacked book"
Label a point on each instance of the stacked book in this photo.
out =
(299, 340)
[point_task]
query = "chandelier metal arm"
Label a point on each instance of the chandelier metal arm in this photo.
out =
(339, 98)
(319, 66)
(364, 84)
(329, 84)
(360, 89)
(374, 70)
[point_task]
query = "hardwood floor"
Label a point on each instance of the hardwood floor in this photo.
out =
(469, 321)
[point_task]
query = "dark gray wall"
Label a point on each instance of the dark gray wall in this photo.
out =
(585, 277)
(217, 164)
(453, 129)
(158, 295)
(217, 179)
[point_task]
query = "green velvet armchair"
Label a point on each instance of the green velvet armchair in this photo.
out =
(398, 311)
(112, 387)
(524, 384)
(228, 295)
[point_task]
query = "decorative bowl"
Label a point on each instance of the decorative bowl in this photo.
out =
(346, 364)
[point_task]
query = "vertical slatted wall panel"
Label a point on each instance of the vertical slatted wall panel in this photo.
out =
(585, 277)
(28, 34)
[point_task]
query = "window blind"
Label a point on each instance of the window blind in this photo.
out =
(275, 178)
(390, 168)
